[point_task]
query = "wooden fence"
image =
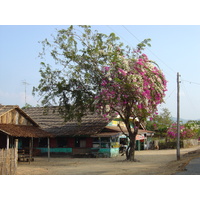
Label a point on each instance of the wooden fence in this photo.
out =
(8, 161)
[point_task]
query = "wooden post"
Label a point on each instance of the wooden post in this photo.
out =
(48, 148)
(8, 142)
(139, 145)
(30, 149)
(15, 155)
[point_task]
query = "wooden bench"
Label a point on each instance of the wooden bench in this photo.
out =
(23, 157)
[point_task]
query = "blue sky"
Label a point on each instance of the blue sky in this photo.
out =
(175, 48)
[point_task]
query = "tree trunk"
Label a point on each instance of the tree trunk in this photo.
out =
(130, 152)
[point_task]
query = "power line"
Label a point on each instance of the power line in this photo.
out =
(149, 50)
(132, 34)
(191, 82)
(189, 100)
(170, 94)
(118, 34)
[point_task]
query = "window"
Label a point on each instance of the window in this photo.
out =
(105, 139)
(61, 141)
(43, 142)
(114, 139)
(80, 142)
(103, 142)
(124, 141)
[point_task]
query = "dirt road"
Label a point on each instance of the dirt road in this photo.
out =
(151, 162)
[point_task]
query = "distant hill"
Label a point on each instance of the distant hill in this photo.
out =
(181, 120)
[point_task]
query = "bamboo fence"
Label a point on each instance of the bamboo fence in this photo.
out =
(8, 161)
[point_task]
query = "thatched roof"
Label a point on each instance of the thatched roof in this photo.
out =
(51, 121)
(23, 131)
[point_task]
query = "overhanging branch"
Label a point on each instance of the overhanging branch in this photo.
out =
(122, 130)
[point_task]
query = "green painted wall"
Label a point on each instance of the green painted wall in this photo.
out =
(109, 152)
(106, 152)
(114, 152)
(56, 150)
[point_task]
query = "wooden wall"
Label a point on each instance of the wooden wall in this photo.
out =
(14, 117)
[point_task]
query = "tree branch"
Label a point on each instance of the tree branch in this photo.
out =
(122, 130)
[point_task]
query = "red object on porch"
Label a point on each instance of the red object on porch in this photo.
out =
(89, 142)
(53, 143)
(70, 142)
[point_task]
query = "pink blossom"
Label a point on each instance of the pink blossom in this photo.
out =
(131, 85)
(122, 71)
(140, 106)
(104, 83)
(106, 68)
(139, 63)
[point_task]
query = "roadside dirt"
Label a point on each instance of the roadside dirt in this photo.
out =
(151, 162)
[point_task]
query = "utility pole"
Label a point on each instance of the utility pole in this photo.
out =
(178, 117)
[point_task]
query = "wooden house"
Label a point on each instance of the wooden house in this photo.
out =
(93, 136)
(72, 137)
(16, 124)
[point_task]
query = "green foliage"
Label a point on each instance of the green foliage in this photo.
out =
(27, 106)
(169, 144)
(194, 128)
(160, 123)
(73, 78)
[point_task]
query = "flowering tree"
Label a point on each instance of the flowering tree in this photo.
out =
(94, 71)
(188, 130)
(132, 87)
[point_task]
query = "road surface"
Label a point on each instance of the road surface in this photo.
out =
(193, 168)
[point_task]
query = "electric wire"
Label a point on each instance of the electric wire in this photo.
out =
(183, 86)
(170, 94)
(150, 50)
(153, 54)
(118, 35)
(191, 82)
(188, 98)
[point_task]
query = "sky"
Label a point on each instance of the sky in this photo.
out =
(173, 30)
(176, 48)
(172, 25)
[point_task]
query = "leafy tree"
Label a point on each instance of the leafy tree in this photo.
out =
(132, 86)
(160, 123)
(193, 128)
(74, 78)
(196, 124)
(98, 73)
(188, 130)
(27, 106)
